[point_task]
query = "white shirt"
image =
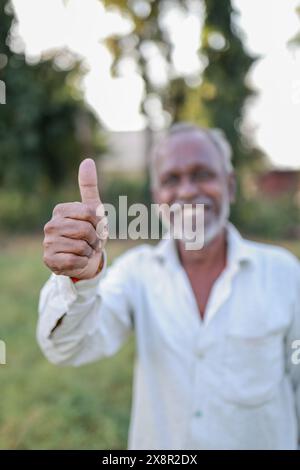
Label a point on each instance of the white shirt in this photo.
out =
(225, 382)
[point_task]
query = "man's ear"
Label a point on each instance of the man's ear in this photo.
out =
(232, 187)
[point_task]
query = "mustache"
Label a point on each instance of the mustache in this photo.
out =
(207, 202)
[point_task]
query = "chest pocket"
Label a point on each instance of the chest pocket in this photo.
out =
(253, 365)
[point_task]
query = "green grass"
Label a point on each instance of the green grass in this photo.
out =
(48, 407)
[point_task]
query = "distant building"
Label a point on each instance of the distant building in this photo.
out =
(276, 183)
(128, 152)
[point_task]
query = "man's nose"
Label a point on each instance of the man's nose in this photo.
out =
(187, 190)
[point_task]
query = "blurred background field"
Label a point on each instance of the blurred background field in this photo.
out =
(43, 406)
(105, 78)
(49, 407)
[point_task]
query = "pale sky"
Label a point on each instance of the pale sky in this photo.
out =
(267, 26)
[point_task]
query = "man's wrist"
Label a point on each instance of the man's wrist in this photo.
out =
(100, 267)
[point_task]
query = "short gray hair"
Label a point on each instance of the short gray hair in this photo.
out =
(216, 136)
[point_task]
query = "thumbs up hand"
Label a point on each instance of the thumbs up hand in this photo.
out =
(77, 232)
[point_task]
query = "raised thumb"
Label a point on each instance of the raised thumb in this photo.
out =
(88, 182)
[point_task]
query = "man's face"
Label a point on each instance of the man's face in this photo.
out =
(190, 170)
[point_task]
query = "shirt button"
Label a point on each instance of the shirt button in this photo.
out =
(198, 414)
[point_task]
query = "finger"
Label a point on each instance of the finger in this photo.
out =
(77, 211)
(88, 182)
(77, 247)
(62, 262)
(78, 230)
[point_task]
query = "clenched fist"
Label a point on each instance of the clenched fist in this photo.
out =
(77, 232)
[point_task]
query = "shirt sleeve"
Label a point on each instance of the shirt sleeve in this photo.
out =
(83, 322)
(293, 347)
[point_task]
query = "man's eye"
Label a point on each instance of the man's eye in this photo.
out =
(170, 179)
(202, 175)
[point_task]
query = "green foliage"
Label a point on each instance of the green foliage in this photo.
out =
(224, 90)
(45, 127)
(269, 218)
(23, 213)
(45, 406)
(28, 212)
(134, 189)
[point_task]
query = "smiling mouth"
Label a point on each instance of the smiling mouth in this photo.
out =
(190, 209)
(198, 206)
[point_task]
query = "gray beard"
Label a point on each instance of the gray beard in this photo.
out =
(213, 230)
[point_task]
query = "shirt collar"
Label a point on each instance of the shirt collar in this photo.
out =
(239, 249)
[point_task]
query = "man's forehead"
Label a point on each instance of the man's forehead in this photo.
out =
(184, 146)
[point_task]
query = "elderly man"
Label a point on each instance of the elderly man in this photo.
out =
(215, 327)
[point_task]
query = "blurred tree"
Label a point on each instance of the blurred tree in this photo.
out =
(295, 41)
(220, 97)
(220, 92)
(224, 89)
(45, 127)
